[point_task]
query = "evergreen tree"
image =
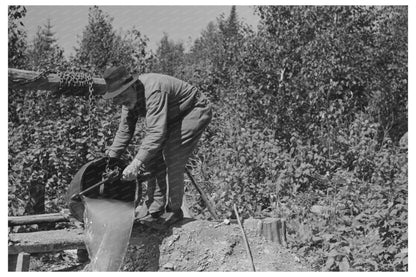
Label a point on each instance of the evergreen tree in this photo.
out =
(230, 26)
(170, 56)
(218, 47)
(44, 52)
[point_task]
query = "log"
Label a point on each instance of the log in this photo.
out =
(21, 79)
(46, 241)
(36, 219)
(274, 229)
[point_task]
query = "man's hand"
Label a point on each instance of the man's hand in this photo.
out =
(111, 154)
(132, 170)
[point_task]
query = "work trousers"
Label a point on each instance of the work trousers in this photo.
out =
(169, 165)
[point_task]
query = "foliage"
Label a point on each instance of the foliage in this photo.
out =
(17, 36)
(298, 128)
(308, 113)
(319, 55)
(101, 47)
(98, 38)
(170, 56)
(50, 138)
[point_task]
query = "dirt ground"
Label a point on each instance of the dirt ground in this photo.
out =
(190, 246)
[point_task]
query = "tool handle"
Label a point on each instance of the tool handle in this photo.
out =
(203, 195)
(250, 256)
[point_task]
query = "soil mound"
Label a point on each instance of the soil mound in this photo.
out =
(202, 246)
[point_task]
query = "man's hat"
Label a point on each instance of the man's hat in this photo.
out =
(117, 80)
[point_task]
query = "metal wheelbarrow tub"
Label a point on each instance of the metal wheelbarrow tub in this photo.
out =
(88, 181)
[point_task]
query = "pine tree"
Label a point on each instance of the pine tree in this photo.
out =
(48, 35)
(230, 26)
(170, 56)
(44, 52)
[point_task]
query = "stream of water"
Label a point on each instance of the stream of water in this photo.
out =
(108, 224)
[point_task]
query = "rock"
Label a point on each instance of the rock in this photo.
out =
(403, 143)
(169, 265)
(317, 209)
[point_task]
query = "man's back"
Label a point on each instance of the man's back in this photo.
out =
(181, 95)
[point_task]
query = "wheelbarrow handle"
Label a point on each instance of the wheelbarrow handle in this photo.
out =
(140, 178)
(107, 180)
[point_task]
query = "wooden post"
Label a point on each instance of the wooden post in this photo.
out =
(274, 229)
(19, 262)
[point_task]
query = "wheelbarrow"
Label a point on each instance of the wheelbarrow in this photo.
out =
(93, 181)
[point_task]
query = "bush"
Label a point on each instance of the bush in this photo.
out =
(50, 138)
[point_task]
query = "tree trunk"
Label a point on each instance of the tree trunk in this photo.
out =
(274, 229)
(24, 79)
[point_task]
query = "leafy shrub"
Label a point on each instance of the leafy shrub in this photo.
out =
(50, 138)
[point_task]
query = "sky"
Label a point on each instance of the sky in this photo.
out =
(181, 23)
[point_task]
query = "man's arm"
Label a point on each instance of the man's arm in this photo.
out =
(124, 133)
(156, 121)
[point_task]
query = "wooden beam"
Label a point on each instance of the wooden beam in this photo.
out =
(36, 219)
(22, 79)
(46, 241)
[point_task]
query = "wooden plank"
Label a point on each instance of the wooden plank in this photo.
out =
(21, 79)
(36, 219)
(19, 262)
(23, 261)
(46, 241)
